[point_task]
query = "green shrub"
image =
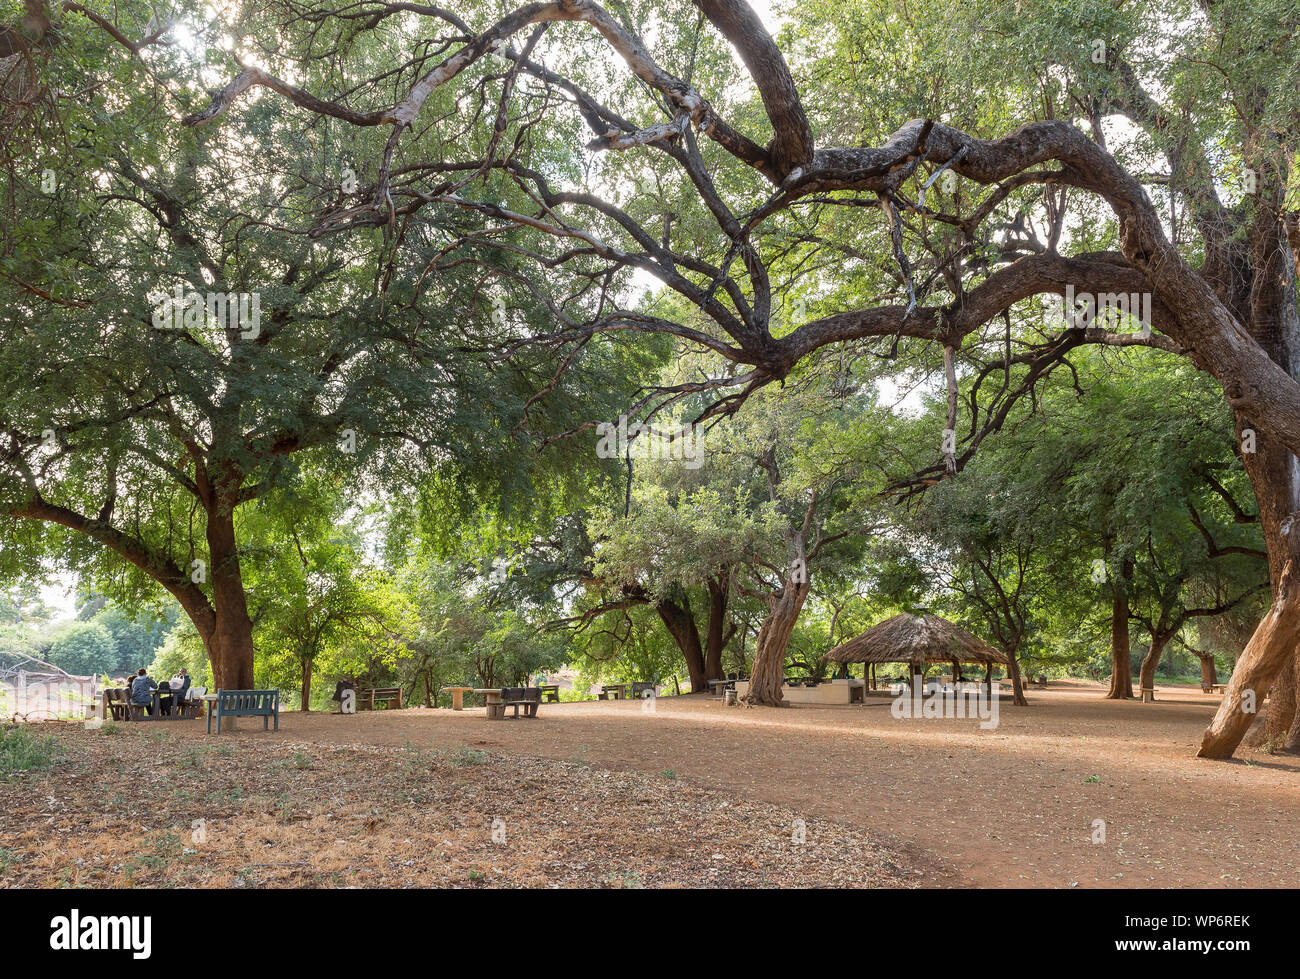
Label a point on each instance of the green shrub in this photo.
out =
(467, 757)
(21, 750)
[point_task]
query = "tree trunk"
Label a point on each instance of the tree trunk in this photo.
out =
(1121, 653)
(1013, 670)
(1281, 719)
(306, 684)
(1270, 658)
(1147, 675)
(1264, 667)
(1290, 741)
(681, 625)
(1209, 675)
(773, 638)
(230, 647)
(1271, 647)
(716, 637)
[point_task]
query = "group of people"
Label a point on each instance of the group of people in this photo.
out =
(170, 692)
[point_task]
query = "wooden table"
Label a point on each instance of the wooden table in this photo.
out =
(492, 702)
(619, 690)
(458, 696)
(724, 684)
(155, 704)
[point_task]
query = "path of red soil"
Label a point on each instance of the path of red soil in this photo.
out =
(1004, 807)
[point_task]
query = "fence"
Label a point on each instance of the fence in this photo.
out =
(34, 696)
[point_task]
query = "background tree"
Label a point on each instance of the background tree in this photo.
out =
(85, 649)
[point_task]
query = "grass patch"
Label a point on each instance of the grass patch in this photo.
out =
(22, 750)
(468, 757)
(163, 851)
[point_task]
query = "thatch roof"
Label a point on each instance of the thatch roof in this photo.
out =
(915, 639)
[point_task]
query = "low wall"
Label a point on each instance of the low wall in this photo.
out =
(831, 692)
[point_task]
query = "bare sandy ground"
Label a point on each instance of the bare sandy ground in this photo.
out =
(1014, 806)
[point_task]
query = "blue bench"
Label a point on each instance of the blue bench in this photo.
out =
(246, 703)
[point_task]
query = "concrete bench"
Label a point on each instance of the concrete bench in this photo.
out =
(529, 698)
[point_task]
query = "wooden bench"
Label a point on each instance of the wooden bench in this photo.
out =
(366, 699)
(246, 703)
(529, 698)
(117, 704)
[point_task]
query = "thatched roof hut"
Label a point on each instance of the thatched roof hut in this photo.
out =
(916, 639)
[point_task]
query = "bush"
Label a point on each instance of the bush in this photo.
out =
(23, 751)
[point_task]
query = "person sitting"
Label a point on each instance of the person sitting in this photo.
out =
(165, 699)
(142, 688)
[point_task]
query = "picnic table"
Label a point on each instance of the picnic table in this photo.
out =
(529, 698)
(117, 704)
(458, 696)
(492, 701)
(619, 690)
(495, 706)
(551, 691)
(724, 684)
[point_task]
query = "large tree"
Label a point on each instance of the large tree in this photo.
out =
(139, 413)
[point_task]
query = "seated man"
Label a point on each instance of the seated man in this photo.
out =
(142, 688)
(165, 699)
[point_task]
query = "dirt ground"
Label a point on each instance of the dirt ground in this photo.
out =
(925, 801)
(1013, 806)
(140, 806)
